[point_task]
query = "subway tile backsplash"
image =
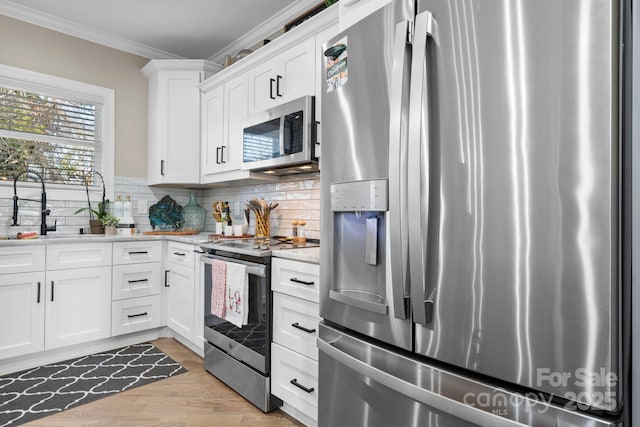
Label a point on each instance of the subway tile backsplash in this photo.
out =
(297, 198)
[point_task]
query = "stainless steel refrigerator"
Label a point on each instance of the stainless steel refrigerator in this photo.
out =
(472, 216)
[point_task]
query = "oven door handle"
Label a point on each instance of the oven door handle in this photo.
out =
(252, 268)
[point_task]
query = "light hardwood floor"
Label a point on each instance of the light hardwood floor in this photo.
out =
(195, 398)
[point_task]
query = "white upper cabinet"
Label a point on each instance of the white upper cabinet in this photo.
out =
(223, 109)
(284, 77)
(279, 72)
(174, 120)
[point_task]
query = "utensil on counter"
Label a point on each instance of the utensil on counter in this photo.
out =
(262, 211)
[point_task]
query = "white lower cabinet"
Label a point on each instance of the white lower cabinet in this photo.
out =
(136, 287)
(21, 314)
(136, 314)
(78, 306)
(296, 324)
(294, 379)
(62, 294)
(180, 301)
(77, 293)
(180, 289)
(294, 353)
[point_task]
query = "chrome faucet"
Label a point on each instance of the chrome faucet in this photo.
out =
(43, 203)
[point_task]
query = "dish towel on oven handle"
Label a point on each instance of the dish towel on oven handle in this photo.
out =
(218, 287)
(237, 309)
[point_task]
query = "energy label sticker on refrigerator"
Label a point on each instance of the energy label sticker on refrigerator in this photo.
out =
(336, 61)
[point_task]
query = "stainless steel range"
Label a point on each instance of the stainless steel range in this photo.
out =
(240, 355)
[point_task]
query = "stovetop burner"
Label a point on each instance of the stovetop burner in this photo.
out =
(253, 246)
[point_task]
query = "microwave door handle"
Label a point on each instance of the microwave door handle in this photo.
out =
(281, 133)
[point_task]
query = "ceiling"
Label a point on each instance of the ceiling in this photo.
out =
(163, 29)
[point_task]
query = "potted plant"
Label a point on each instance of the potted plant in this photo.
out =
(96, 217)
(109, 222)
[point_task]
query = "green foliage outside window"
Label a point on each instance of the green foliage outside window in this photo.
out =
(53, 136)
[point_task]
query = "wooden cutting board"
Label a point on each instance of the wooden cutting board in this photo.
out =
(170, 233)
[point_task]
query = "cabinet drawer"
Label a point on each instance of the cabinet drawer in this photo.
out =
(78, 255)
(295, 324)
(135, 314)
(134, 252)
(22, 259)
(180, 253)
(300, 279)
(289, 368)
(136, 280)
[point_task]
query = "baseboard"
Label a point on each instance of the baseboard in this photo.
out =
(298, 415)
(28, 361)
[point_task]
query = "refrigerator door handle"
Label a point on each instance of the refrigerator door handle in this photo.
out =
(414, 391)
(398, 228)
(419, 163)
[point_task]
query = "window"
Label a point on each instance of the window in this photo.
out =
(60, 128)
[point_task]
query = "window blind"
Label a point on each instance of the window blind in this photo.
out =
(60, 138)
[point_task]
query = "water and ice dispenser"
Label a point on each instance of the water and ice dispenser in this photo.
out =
(359, 239)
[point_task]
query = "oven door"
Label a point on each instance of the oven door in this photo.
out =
(250, 343)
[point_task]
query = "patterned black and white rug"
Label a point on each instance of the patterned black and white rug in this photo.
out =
(43, 391)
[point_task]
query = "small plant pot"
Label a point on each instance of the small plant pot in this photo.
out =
(96, 226)
(110, 229)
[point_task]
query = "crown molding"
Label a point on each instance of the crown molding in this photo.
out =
(270, 26)
(84, 32)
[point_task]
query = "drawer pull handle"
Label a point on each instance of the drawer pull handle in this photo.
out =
(136, 315)
(302, 328)
(138, 280)
(166, 278)
(300, 386)
(179, 254)
(138, 252)
(53, 285)
(39, 284)
(295, 280)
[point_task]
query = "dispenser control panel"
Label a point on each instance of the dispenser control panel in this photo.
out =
(371, 195)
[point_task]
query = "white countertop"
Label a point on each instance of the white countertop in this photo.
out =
(302, 254)
(94, 238)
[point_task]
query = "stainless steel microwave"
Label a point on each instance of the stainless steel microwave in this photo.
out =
(281, 140)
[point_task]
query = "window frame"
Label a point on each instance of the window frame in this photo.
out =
(65, 88)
